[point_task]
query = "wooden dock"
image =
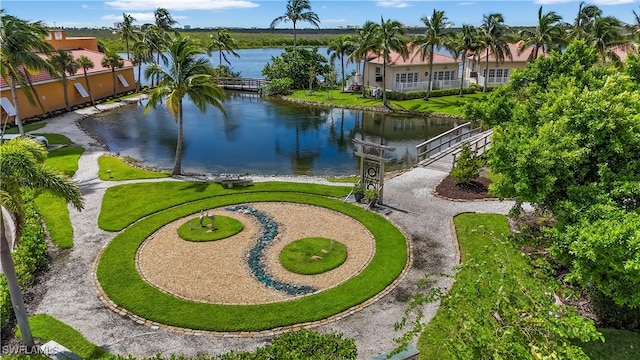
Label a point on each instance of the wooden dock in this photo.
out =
(242, 84)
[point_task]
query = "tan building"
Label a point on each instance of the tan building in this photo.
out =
(412, 72)
(499, 72)
(49, 90)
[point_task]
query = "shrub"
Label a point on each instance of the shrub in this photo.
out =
(467, 167)
(280, 86)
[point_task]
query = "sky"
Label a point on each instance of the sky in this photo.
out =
(332, 14)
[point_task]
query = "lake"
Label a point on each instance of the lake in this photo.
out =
(261, 136)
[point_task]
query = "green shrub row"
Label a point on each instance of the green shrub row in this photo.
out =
(392, 95)
(28, 257)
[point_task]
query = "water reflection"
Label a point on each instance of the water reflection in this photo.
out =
(261, 136)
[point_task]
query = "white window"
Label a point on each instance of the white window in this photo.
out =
(378, 70)
(407, 77)
(444, 75)
(58, 35)
(123, 81)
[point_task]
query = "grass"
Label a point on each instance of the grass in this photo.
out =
(617, 345)
(310, 256)
(449, 105)
(224, 227)
(27, 128)
(56, 139)
(120, 280)
(475, 232)
(53, 208)
(344, 179)
(47, 328)
(120, 170)
(116, 198)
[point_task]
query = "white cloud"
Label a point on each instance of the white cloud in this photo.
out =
(592, 2)
(334, 21)
(140, 17)
(399, 4)
(181, 5)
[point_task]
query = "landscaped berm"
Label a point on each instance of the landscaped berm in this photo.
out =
(268, 260)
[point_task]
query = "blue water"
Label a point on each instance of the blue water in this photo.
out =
(261, 136)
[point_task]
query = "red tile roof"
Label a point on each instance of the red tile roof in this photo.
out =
(515, 53)
(623, 50)
(94, 56)
(414, 58)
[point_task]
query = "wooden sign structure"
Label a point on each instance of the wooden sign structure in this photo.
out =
(372, 165)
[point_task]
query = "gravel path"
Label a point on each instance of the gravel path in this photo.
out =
(67, 292)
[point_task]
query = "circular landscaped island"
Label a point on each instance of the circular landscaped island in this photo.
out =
(239, 283)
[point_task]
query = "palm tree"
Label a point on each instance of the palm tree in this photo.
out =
(635, 28)
(494, 40)
(463, 44)
(364, 44)
(20, 42)
(85, 63)
(127, 31)
(164, 20)
(434, 37)
(297, 10)
(156, 40)
(188, 75)
(62, 62)
(223, 43)
(141, 55)
(112, 60)
(22, 167)
(548, 35)
(606, 32)
(389, 36)
(583, 23)
(339, 47)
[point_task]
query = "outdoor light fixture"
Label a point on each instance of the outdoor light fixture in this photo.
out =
(109, 172)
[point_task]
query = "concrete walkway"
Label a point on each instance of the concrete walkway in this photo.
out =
(68, 295)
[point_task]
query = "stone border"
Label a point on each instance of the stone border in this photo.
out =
(253, 334)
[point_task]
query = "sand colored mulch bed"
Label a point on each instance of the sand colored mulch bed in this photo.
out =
(217, 271)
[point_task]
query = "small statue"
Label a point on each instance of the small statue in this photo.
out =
(201, 218)
(212, 218)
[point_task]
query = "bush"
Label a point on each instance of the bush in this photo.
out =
(467, 167)
(392, 95)
(279, 87)
(28, 257)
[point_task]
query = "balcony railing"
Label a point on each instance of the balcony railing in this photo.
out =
(423, 85)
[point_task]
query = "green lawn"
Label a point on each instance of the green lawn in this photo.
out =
(53, 208)
(449, 105)
(310, 256)
(47, 328)
(162, 195)
(119, 278)
(222, 228)
(618, 345)
(27, 128)
(112, 168)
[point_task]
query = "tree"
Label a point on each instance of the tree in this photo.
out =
(222, 42)
(364, 44)
(164, 20)
(338, 48)
(141, 55)
(569, 145)
(296, 66)
(85, 63)
(112, 60)
(494, 41)
(297, 10)
(127, 31)
(22, 167)
(467, 167)
(388, 37)
(21, 41)
(155, 40)
(434, 37)
(606, 33)
(635, 28)
(548, 35)
(464, 44)
(583, 23)
(188, 75)
(62, 62)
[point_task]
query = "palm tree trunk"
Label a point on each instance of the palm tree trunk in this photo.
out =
(86, 80)
(66, 96)
(462, 78)
(294, 41)
(17, 301)
(342, 63)
(113, 76)
(364, 63)
(384, 82)
(220, 61)
(486, 73)
(35, 92)
(177, 165)
(14, 96)
(430, 76)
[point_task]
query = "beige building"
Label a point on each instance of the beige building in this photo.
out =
(412, 73)
(49, 90)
